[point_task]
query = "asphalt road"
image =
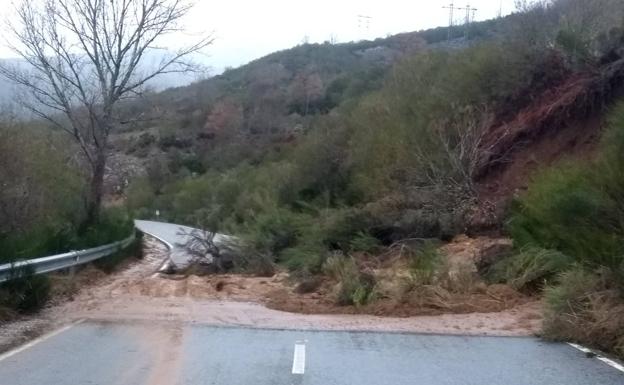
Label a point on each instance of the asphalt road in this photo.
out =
(175, 237)
(158, 354)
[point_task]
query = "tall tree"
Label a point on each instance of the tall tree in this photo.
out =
(83, 57)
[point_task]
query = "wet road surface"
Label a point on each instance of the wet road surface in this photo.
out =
(190, 354)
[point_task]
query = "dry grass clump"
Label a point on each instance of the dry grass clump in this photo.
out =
(431, 283)
(586, 307)
(355, 286)
(530, 268)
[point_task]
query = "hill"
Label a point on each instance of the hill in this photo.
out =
(248, 112)
(321, 155)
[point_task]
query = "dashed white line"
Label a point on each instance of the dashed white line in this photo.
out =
(299, 359)
(34, 342)
(606, 360)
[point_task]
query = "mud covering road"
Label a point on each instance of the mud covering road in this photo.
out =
(138, 293)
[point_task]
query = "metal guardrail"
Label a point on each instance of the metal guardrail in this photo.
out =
(64, 261)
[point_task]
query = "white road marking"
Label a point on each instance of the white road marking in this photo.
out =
(299, 359)
(606, 360)
(34, 342)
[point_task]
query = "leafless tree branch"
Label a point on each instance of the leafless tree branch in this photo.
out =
(82, 57)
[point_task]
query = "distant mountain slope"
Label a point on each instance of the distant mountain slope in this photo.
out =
(251, 112)
(8, 90)
(265, 102)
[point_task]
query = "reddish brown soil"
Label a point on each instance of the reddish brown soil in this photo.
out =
(466, 294)
(565, 121)
(490, 299)
(577, 140)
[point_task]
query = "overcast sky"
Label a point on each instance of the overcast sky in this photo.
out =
(248, 29)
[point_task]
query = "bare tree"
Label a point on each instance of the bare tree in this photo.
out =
(200, 244)
(204, 244)
(84, 57)
(306, 88)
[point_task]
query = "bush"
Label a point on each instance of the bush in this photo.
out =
(576, 210)
(530, 268)
(275, 231)
(309, 285)
(341, 227)
(302, 241)
(365, 243)
(305, 260)
(24, 291)
(114, 225)
(424, 263)
(566, 209)
(141, 197)
(250, 262)
(586, 307)
(354, 286)
(424, 127)
(134, 250)
(321, 171)
(571, 221)
(38, 242)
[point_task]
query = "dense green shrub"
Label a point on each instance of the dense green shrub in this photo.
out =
(417, 139)
(566, 209)
(578, 211)
(569, 227)
(364, 242)
(530, 268)
(24, 291)
(341, 227)
(134, 250)
(424, 263)
(320, 174)
(305, 259)
(275, 231)
(115, 224)
(40, 194)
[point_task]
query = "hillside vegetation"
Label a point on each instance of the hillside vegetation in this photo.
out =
(388, 139)
(321, 154)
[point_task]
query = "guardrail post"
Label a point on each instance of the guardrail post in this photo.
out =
(72, 269)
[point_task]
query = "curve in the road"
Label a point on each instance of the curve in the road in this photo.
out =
(174, 237)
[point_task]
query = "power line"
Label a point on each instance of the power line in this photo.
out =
(451, 7)
(364, 23)
(469, 9)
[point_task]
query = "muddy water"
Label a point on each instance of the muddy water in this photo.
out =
(139, 294)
